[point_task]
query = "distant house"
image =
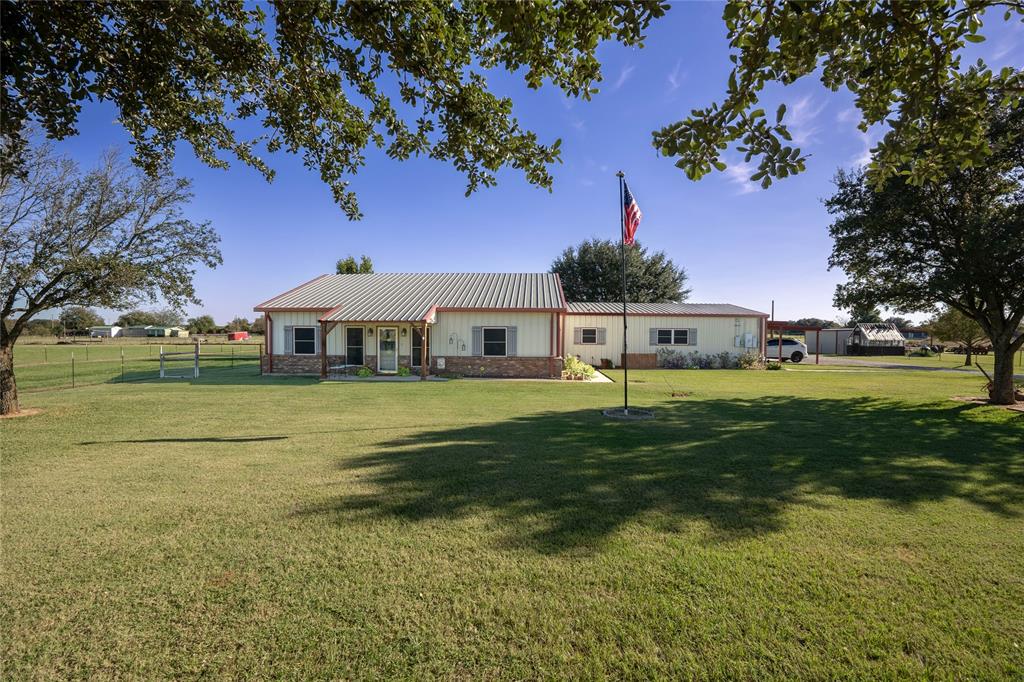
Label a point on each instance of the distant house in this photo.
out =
(160, 330)
(914, 334)
(482, 324)
(136, 330)
(105, 331)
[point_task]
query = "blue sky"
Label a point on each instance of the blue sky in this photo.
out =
(738, 243)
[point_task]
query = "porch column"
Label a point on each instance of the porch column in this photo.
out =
(268, 331)
(423, 353)
(323, 350)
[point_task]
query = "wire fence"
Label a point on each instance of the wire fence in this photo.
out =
(48, 368)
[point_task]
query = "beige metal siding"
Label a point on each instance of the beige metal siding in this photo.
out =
(452, 332)
(714, 335)
(335, 339)
(279, 321)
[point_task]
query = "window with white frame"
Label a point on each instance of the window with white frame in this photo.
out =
(673, 337)
(495, 341)
(588, 335)
(304, 340)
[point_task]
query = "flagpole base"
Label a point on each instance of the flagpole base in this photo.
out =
(632, 414)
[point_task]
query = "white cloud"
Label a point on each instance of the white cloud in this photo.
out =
(849, 115)
(801, 120)
(867, 141)
(739, 175)
(676, 77)
(624, 75)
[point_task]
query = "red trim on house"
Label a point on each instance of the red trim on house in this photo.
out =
(619, 314)
(269, 329)
(329, 313)
(430, 313)
(260, 307)
(561, 291)
(498, 310)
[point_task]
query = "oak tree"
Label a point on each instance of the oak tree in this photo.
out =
(349, 265)
(322, 79)
(592, 271)
(110, 236)
(952, 325)
(957, 242)
(900, 60)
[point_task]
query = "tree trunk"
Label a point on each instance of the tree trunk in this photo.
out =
(967, 361)
(8, 387)
(1002, 375)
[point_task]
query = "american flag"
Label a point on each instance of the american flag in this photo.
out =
(633, 215)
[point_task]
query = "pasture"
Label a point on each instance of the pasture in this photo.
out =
(767, 525)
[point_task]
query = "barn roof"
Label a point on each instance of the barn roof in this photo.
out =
(411, 297)
(665, 309)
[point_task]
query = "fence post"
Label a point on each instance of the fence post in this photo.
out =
(195, 369)
(232, 357)
(87, 353)
(122, 365)
(72, 369)
(161, 360)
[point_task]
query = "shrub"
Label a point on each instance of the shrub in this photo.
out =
(404, 371)
(364, 372)
(575, 368)
(923, 352)
(750, 360)
(774, 364)
(673, 359)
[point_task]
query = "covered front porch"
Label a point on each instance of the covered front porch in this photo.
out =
(384, 347)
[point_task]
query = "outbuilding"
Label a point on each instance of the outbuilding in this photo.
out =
(105, 331)
(136, 330)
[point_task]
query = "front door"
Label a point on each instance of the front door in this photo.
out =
(387, 349)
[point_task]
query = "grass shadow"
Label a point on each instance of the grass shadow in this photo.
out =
(202, 439)
(561, 481)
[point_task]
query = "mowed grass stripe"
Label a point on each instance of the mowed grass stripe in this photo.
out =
(770, 525)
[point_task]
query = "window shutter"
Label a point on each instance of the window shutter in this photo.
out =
(602, 336)
(316, 339)
(289, 339)
(510, 341)
(654, 336)
(577, 335)
(478, 341)
(691, 337)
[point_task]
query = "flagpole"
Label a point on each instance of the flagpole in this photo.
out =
(622, 251)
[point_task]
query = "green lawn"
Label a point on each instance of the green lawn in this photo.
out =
(813, 525)
(945, 360)
(48, 366)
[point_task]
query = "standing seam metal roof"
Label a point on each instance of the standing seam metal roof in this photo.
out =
(692, 309)
(408, 297)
